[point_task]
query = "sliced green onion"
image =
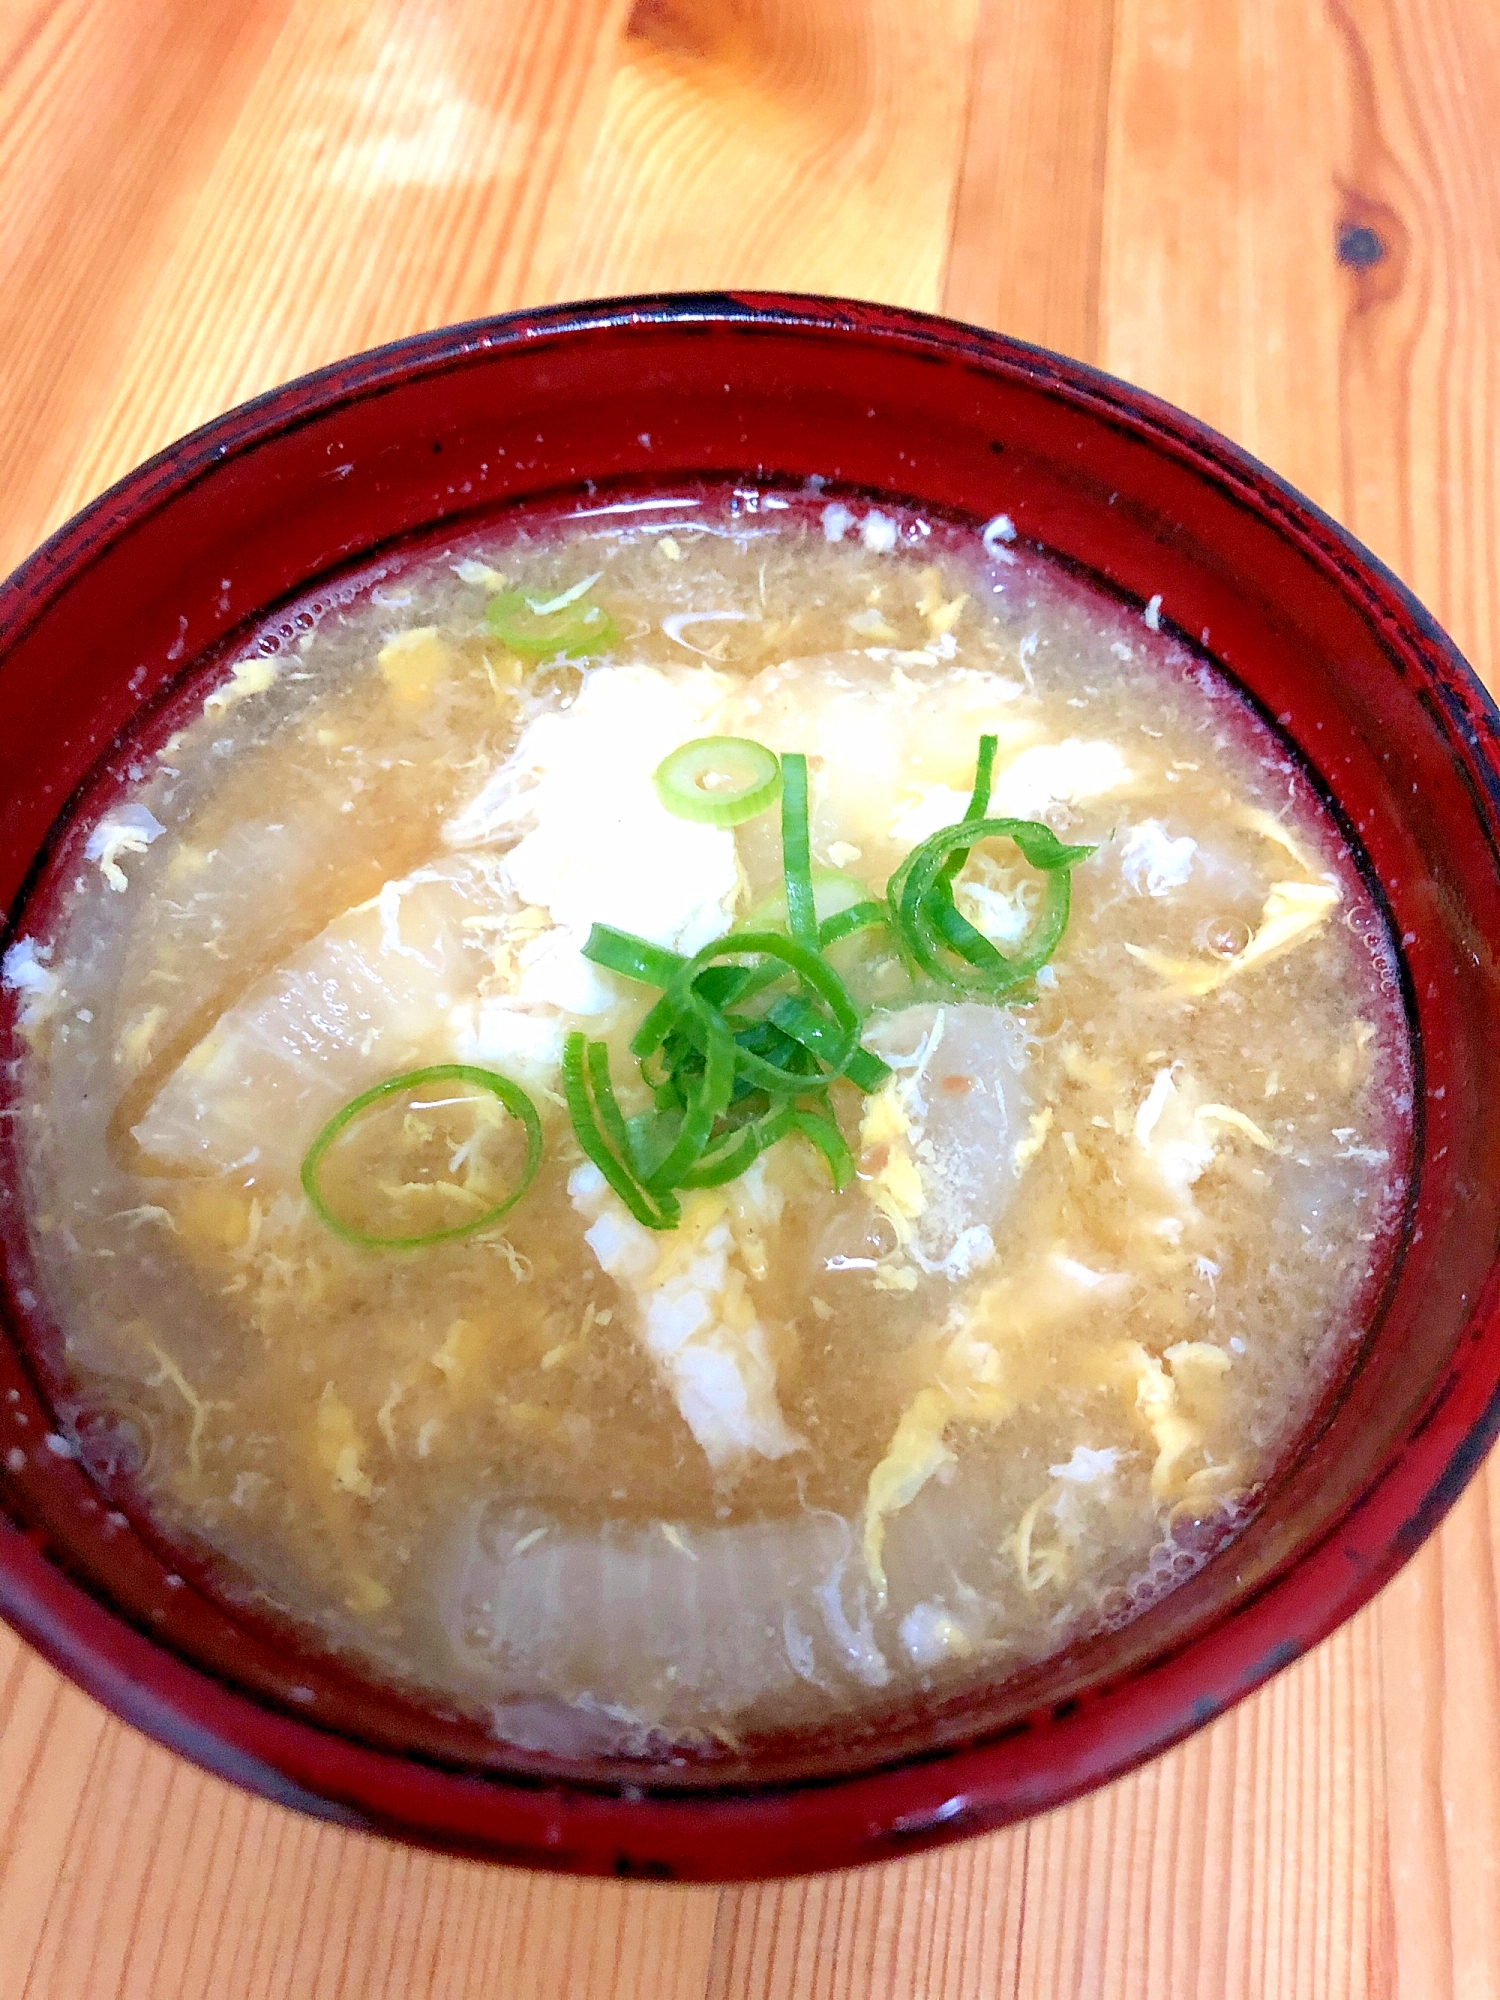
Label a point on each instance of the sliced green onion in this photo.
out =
(511, 1095)
(656, 1211)
(649, 1134)
(830, 1142)
(570, 631)
(740, 1151)
(632, 957)
(866, 1071)
(979, 798)
(660, 1022)
(727, 1077)
(843, 904)
(984, 778)
(955, 930)
(611, 1121)
(926, 922)
(858, 917)
(833, 893)
(722, 985)
(804, 1024)
(667, 1095)
(796, 854)
(705, 1105)
(718, 780)
(674, 1010)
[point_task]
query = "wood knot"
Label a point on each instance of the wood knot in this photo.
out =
(1360, 246)
(1373, 244)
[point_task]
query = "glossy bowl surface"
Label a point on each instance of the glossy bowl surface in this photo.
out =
(168, 572)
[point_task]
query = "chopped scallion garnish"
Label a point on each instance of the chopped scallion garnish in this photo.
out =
(509, 1094)
(633, 957)
(941, 943)
(726, 1080)
(830, 1142)
(581, 1075)
(749, 1035)
(796, 852)
(718, 780)
(568, 627)
(844, 923)
(979, 799)
(834, 893)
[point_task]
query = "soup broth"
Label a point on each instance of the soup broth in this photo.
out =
(1106, 1228)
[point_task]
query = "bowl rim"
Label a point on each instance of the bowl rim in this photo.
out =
(928, 1796)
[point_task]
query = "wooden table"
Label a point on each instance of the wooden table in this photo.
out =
(1283, 215)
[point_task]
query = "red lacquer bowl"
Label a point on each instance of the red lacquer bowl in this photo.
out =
(319, 475)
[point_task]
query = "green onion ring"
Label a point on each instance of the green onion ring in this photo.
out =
(511, 1095)
(752, 770)
(919, 908)
(574, 632)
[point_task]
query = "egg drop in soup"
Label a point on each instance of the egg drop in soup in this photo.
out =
(670, 1120)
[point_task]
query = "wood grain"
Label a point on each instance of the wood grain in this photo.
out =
(1028, 222)
(777, 144)
(197, 200)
